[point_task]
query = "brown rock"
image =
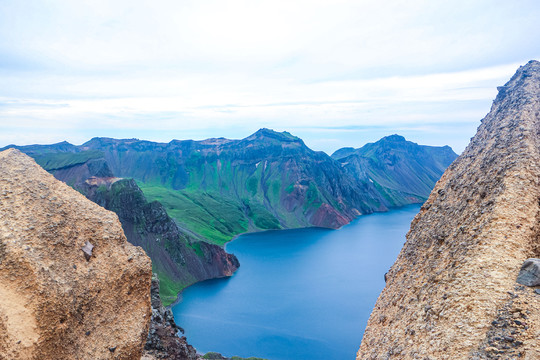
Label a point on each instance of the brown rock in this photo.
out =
(458, 295)
(54, 303)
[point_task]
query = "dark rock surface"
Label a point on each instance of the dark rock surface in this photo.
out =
(529, 274)
(164, 341)
(504, 337)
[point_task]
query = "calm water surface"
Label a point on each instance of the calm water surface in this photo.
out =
(299, 294)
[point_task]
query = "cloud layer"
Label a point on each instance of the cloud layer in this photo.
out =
(337, 73)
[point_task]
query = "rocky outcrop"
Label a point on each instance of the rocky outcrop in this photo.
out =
(529, 274)
(163, 341)
(452, 292)
(56, 301)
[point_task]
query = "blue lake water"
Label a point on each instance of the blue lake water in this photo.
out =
(299, 294)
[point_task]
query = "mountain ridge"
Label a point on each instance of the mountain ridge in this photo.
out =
(402, 171)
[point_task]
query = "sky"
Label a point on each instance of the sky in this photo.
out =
(335, 73)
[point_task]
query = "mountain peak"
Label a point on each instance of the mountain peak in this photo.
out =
(394, 138)
(265, 133)
(525, 83)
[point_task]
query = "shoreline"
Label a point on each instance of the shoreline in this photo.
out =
(179, 295)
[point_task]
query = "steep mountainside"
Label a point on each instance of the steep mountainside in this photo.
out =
(452, 293)
(178, 259)
(219, 188)
(71, 286)
(402, 171)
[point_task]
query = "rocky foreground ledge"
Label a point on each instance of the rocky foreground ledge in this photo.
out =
(71, 286)
(452, 293)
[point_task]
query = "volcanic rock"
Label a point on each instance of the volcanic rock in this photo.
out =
(452, 292)
(55, 303)
(163, 341)
(529, 274)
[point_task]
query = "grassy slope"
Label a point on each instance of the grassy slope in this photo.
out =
(216, 219)
(219, 201)
(54, 161)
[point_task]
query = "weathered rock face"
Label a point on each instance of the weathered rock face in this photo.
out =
(163, 341)
(175, 256)
(54, 303)
(452, 293)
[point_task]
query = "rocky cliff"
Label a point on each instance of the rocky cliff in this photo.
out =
(452, 293)
(71, 286)
(163, 341)
(177, 258)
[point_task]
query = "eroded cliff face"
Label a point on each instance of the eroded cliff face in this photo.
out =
(56, 301)
(176, 257)
(452, 293)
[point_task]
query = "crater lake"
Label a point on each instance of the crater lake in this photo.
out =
(299, 294)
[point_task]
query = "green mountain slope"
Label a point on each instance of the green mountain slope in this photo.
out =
(177, 258)
(219, 188)
(402, 171)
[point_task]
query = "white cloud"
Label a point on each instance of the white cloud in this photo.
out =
(126, 68)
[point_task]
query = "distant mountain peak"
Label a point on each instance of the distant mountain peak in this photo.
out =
(265, 133)
(394, 138)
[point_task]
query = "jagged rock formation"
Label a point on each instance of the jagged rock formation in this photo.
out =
(163, 341)
(452, 293)
(55, 303)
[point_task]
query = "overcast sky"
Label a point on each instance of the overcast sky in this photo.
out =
(335, 73)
